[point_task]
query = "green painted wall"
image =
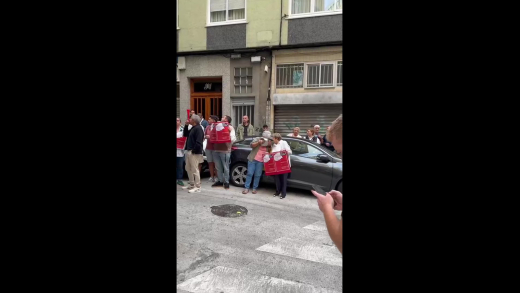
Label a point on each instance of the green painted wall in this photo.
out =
(263, 22)
(192, 24)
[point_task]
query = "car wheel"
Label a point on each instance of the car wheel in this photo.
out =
(238, 174)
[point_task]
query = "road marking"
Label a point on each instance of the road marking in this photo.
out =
(304, 250)
(229, 280)
(318, 226)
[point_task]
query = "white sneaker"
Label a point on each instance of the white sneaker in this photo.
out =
(194, 189)
(211, 179)
(188, 187)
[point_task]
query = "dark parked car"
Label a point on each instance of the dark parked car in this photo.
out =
(311, 163)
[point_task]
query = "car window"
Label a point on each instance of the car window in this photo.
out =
(305, 150)
(246, 141)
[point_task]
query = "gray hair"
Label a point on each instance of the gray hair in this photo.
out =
(196, 118)
(317, 126)
(278, 136)
(266, 134)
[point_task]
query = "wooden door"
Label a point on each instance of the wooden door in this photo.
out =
(206, 96)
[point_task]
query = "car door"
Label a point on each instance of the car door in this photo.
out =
(306, 170)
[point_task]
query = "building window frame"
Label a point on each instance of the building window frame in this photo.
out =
(178, 15)
(241, 106)
(245, 77)
(306, 72)
(338, 70)
(226, 22)
(289, 87)
(312, 13)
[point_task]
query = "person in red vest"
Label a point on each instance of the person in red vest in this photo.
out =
(222, 157)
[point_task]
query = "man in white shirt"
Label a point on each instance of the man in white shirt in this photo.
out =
(295, 133)
(317, 134)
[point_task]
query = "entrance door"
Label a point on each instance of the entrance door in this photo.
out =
(206, 96)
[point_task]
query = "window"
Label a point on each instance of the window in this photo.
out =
(320, 75)
(289, 76)
(339, 82)
(302, 149)
(241, 111)
(222, 11)
(243, 80)
(316, 6)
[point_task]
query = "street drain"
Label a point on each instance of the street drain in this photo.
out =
(229, 210)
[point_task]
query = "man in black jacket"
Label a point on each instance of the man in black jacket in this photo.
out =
(326, 142)
(193, 151)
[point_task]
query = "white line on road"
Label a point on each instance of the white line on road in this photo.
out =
(318, 226)
(304, 250)
(229, 280)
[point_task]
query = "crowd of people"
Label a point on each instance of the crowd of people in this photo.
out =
(218, 155)
(196, 130)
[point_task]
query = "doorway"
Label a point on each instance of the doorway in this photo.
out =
(206, 96)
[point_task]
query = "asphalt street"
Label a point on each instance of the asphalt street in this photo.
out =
(281, 245)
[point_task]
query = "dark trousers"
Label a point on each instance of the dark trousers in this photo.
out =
(179, 169)
(281, 183)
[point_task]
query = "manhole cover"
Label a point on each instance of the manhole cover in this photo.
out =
(229, 210)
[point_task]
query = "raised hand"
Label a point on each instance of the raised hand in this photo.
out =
(325, 202)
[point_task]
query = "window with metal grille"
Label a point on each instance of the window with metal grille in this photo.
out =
(243, 80)
(289, 76)
(320, 75)
(240, 111)
(339, 82)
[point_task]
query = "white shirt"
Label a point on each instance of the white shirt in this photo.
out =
(180, 152)
(282, 146)
(292, 135)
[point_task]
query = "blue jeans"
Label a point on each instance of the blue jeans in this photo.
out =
(254, 168)
(180, 170)
(222, 161)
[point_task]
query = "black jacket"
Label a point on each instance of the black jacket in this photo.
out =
(195, 138)
(331, 147)
(314, 138)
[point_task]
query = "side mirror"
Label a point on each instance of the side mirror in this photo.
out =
(323, 158)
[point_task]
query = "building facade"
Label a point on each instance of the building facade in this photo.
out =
(236, 58)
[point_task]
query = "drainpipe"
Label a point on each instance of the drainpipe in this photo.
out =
(281, 19)
(268, 107)
(268, 104)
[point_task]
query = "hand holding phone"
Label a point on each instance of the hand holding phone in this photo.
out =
(318, 189)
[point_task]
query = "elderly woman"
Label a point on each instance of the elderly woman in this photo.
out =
(281, 179)
(255, 161)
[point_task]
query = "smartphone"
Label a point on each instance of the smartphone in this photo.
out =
(318, 189)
